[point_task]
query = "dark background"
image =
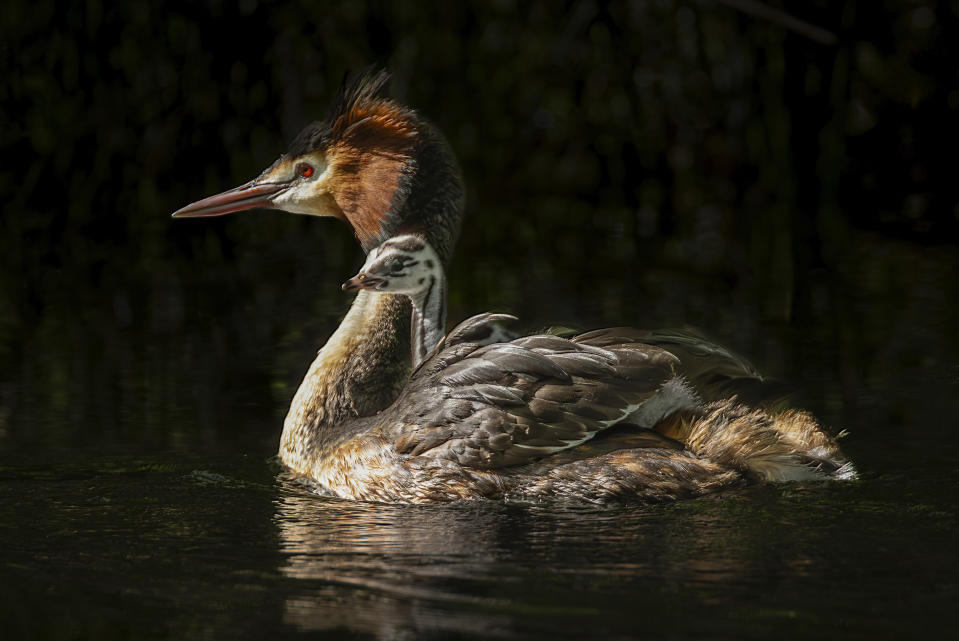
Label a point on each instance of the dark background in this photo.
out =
(780, 175)
(789, 191)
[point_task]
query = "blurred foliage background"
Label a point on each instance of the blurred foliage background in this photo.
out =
(778, 174)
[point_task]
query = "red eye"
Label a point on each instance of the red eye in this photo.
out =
(305, 170)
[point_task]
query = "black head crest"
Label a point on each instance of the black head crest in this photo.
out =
(350, 107)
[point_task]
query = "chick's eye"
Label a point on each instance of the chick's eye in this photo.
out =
(305, 170)
(396, 265)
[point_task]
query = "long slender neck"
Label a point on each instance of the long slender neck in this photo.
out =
(429, 317)
(361, 370)
(366, 363)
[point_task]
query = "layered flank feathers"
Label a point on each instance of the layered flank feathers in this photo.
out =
(506, 404)
(533, 408)
(647, 475)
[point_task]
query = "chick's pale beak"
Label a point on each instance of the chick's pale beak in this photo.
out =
(361, 281)
(247, 196)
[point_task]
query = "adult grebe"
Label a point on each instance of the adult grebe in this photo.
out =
(362, 428)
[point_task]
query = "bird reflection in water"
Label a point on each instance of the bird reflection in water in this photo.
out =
(382, 569)
(393, 570)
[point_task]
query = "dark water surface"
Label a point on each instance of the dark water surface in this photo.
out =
(178, 546)
(199, 547)
(138, 499)
(653, 163)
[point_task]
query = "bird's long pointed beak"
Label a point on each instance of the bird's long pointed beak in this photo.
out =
(247, 196)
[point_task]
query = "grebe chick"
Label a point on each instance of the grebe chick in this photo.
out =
(408, 265)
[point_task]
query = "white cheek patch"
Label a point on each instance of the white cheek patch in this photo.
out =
(301, 196)
(297, 199)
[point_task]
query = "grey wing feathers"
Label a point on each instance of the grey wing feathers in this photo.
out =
(696, 353)
(510, 403)
(713, 370)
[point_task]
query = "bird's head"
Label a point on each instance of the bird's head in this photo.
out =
(405, 264)
(373, 163)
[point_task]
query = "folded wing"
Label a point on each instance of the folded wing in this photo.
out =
(509, 403)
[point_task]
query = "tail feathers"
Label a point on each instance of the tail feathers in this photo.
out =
(790, 446)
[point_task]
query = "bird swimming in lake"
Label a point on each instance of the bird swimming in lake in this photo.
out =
(540, 417)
